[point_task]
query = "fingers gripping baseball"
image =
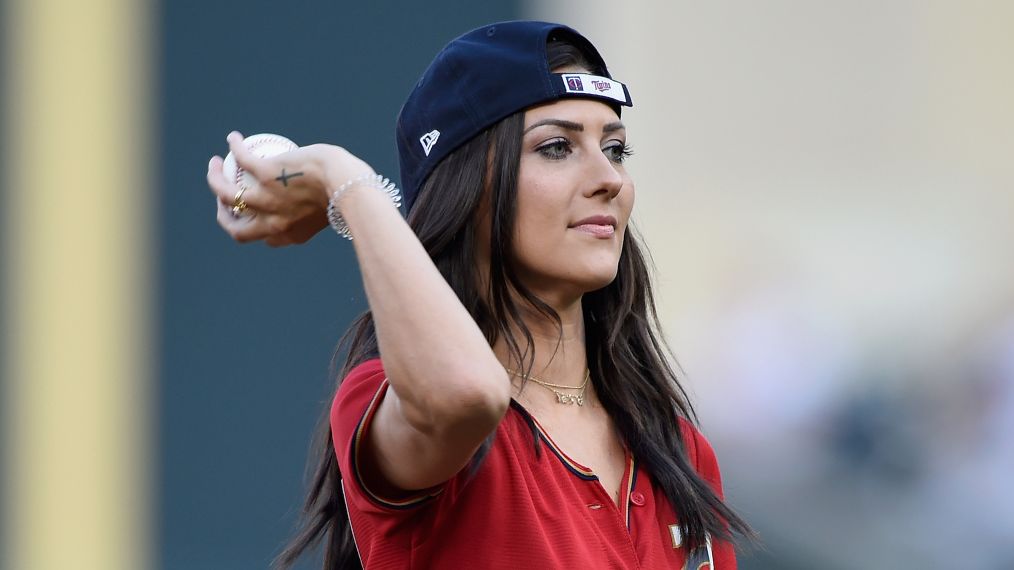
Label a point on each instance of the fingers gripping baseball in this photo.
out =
(269, 189)
(235, 179)
(253, 161)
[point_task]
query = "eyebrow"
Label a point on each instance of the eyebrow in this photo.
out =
(613, 126)
(572, 126)
(569, 125)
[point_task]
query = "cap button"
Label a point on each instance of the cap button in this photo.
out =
(490, 31)
(637, 498)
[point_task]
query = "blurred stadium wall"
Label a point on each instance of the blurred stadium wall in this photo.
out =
(161, 383)
(826, 189)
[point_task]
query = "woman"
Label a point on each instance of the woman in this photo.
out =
(506, 401)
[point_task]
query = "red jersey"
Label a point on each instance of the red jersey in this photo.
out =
(523, 508)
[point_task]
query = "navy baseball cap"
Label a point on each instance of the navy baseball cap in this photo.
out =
(482, 77)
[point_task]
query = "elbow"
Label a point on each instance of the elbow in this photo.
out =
(476, 397)
(475, 401)
(491, 400)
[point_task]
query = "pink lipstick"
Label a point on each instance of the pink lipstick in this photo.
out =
(598, 226)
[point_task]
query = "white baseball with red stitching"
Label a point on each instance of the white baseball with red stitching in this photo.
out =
(263, 146)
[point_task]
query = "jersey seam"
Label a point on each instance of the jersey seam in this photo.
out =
(415, 499)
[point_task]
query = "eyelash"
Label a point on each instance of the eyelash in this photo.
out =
(558, 149)
(625, 152)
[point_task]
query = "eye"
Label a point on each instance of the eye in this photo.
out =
(556, 149)
(618, 152)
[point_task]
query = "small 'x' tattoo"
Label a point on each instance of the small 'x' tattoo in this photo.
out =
(284, 178)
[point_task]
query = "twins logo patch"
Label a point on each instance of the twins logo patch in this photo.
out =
(595, 85)
(428, 140)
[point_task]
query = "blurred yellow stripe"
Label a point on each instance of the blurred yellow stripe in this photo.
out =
(77, 410)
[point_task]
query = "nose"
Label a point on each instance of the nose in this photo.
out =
(604, 177)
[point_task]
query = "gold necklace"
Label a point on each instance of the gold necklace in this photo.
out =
(561, 398)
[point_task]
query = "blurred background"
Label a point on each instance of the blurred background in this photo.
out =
(827, 190)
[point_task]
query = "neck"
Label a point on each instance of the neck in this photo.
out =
(559, 352)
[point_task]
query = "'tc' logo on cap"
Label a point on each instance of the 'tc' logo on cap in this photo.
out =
(587, 84)
(428, 140)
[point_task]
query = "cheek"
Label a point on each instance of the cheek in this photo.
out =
(540, 223)
(536, 229)
(541, 205)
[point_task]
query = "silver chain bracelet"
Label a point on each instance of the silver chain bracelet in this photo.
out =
(334, 216)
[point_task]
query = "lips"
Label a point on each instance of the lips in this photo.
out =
(598, 226)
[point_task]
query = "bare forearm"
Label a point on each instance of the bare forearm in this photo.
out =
(437, 360)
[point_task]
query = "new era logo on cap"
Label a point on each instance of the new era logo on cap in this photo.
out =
(428, 140)
(586, 84)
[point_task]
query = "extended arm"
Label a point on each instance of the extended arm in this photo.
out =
(448, 390)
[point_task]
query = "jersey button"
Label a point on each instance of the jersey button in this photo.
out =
(637, 498)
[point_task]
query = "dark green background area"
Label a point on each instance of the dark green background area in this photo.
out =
(246, 332)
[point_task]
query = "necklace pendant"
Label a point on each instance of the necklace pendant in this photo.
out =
(569, 399)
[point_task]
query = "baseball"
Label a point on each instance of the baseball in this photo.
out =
(263, 146)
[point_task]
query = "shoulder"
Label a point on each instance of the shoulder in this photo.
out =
(361, 386)
(701, 454)
(366, 376)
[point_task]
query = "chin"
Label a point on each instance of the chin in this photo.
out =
(595, 279)
(601, 284)
(576, 274)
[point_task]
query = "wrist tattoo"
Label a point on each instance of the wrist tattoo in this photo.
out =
(284, 178)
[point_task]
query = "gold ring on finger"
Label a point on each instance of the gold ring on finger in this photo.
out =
(238, 205)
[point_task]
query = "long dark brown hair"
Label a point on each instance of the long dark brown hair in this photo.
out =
(629, 361)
